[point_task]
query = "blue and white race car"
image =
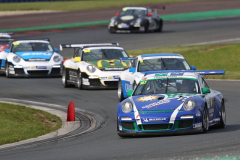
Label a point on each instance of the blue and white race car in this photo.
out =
(145, 63)
(171, 103)
(30, 58)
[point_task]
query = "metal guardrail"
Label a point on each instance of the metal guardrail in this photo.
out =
(12, 1)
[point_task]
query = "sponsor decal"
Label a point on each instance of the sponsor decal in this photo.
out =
(147, 98)
(154, 119)
(37, 54)
(86, 50)
(41, 67)
(116, 77)
(149, 106)
(85, 79)
(110, 77)
(197, 125)
(128, 87)
(114, 69)
(143, 82)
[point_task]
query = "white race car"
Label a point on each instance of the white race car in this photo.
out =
(30, 58)
(142, 64)
(94, 66)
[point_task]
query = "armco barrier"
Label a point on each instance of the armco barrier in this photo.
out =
(12, 1)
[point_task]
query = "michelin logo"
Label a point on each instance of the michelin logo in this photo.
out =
(154, 119)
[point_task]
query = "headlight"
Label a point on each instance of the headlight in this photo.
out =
(188, 105)
(91, 68)
(127, 107)
(56, 59)
(16, 59)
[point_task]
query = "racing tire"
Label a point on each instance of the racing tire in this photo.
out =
(146, 27)
(222, 122)
(160, 26)
(65, 77)
(79, 80)
(7, 70)
(120, 91)
(205, 120)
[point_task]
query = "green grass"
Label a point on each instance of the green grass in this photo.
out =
(205, 57)
(82, 5)
(19, 123)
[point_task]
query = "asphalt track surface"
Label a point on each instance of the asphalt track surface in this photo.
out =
(104, 143)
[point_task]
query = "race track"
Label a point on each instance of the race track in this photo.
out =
(104, 143)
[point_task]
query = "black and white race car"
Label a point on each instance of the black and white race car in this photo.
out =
(136, 19)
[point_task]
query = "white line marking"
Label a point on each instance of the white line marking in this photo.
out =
(212, 42)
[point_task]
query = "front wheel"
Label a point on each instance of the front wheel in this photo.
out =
(120, 91)
(79, 80)
(8, 67)
(205, 120)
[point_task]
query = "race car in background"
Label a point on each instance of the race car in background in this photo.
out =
(94, 66)
(136, 19)
(5, 39)
(168, 103)
(30, 58)
(142, 64)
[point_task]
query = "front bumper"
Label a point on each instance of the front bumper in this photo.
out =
(107, 81)
(36, 71)
(131, 28)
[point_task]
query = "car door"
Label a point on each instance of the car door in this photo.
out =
(210, 98)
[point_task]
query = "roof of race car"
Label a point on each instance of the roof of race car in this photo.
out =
(5, 35)
(25, 41)
(191, 75)
(161, 55)
(104, 47)
(142, 8)
(88, 45)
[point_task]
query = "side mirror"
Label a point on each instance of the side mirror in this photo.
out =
(129, 93)
(7, 50)
(55, 50)
(193, 68)
(206, 90)
(117, 14)
(149, 14)
(77, 59)
(133, 69)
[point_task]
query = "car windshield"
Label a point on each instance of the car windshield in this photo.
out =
(31, 46)
(137, 12)
(163, 64)
(98, 54)
(167, 86)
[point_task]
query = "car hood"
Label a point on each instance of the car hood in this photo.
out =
(35, 55)
(160, 102)
(127, 18)
(112, 63)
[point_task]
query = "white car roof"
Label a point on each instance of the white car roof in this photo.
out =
(5, 35)
(92, 48)
(27, 41)
(140, 8)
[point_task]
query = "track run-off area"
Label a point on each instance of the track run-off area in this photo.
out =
(104, 143)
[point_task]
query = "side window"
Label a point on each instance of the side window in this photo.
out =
(78, 53)
(203, 83)
(134, 62)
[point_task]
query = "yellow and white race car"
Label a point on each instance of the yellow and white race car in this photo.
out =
(94, 66)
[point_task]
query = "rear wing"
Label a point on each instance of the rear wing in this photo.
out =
(85, 45)
(201, 72)
(156, 7)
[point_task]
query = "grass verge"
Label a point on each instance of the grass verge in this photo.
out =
(205, 57)
(82, 5)
(19, 123)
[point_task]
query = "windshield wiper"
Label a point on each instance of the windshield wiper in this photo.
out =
(164, 64)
